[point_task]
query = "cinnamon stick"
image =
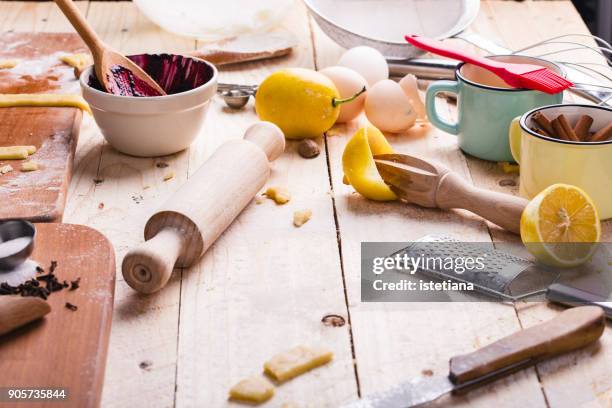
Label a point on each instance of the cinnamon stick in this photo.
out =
(544, 123)
(559, 130)
(602, 134)
(569, 131)
(582, 127)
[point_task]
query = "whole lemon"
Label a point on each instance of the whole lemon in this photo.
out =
(302, 102)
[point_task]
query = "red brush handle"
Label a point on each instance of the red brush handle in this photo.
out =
(437, 47)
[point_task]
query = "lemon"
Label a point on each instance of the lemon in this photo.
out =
(359, 166)
(302, 102)
(560, 226)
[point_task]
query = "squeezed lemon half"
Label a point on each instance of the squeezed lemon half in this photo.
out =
(560, 226)
(359, 166)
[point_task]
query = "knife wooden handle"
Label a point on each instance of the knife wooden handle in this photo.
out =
(570, 330)
(502, 209)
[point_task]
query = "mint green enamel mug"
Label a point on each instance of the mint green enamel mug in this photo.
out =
(486, 106)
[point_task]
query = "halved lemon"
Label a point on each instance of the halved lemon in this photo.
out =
(359, 166)
(560, 226)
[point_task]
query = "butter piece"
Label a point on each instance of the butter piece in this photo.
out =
(44, 100)
(279, 195)
(301, 217)
(255, 389)
(9, 63)
(29, 166)
(297, 361)
(6, 169)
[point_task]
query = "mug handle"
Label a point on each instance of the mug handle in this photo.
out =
(430, 102)
(514, 135)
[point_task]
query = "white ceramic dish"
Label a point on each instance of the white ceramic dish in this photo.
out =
(152, 126)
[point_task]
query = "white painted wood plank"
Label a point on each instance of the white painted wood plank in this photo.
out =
(265, 285)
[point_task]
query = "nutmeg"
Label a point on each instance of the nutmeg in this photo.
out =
(308, 149)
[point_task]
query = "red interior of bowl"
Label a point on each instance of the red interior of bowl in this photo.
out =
(174, 73)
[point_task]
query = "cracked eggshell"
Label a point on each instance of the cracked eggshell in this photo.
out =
(411, 88)
(389, 108)
(348, 83)
(366, 61)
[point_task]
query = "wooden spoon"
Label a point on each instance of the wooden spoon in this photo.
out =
(117, 74)
(430, 184)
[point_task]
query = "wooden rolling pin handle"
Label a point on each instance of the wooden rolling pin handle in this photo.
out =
(268, 137)
(16, 311)
(570, 330)
(148, 267)
(502, 209)
(190, 222)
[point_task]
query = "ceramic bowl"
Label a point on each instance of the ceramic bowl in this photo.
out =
(154, 126)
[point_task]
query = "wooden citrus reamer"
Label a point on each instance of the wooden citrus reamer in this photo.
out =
(181, 231)
(432, 185)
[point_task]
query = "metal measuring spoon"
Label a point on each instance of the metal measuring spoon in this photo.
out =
(16, 244)
(236, 96)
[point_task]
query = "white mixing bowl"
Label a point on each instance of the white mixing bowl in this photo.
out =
(150, 126)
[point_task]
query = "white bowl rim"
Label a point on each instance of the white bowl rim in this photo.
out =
(210, 83)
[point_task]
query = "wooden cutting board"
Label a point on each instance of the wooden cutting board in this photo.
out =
(67, 349)
(38, 196)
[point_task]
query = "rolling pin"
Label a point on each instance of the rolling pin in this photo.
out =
(179, 233)
(16, 311)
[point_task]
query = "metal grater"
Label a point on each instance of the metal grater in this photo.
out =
(500, 271)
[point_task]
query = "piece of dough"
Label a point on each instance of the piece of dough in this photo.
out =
(44, 100)
(78, 61)
(29, 166)
(9, 63)
(6, 169)
(297, 361)
(255, 389)
(279, 195)
(301, 217)
(13, 153)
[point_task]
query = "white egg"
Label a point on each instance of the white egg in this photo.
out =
(348, 83)
(368, 62)
(411, 89)
(388, 107)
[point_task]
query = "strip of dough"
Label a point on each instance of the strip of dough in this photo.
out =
(255, 389)
(78, 61)
(297, 361)
(29, 166)
(9, 63)
(44, 100)
(13, 153)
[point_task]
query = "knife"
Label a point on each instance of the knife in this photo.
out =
(570, 330)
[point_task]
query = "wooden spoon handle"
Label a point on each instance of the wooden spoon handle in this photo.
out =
(570, 330)
(81, 25)
(502, 209)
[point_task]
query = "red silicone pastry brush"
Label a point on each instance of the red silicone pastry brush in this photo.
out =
(516, 75)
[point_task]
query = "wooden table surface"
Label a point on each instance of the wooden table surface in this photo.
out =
(265, 285)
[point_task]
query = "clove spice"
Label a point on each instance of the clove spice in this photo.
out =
(41, 286)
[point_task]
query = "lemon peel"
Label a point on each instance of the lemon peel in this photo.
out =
(359, 166)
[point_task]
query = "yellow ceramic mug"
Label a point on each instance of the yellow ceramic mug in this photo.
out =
(545, 161)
